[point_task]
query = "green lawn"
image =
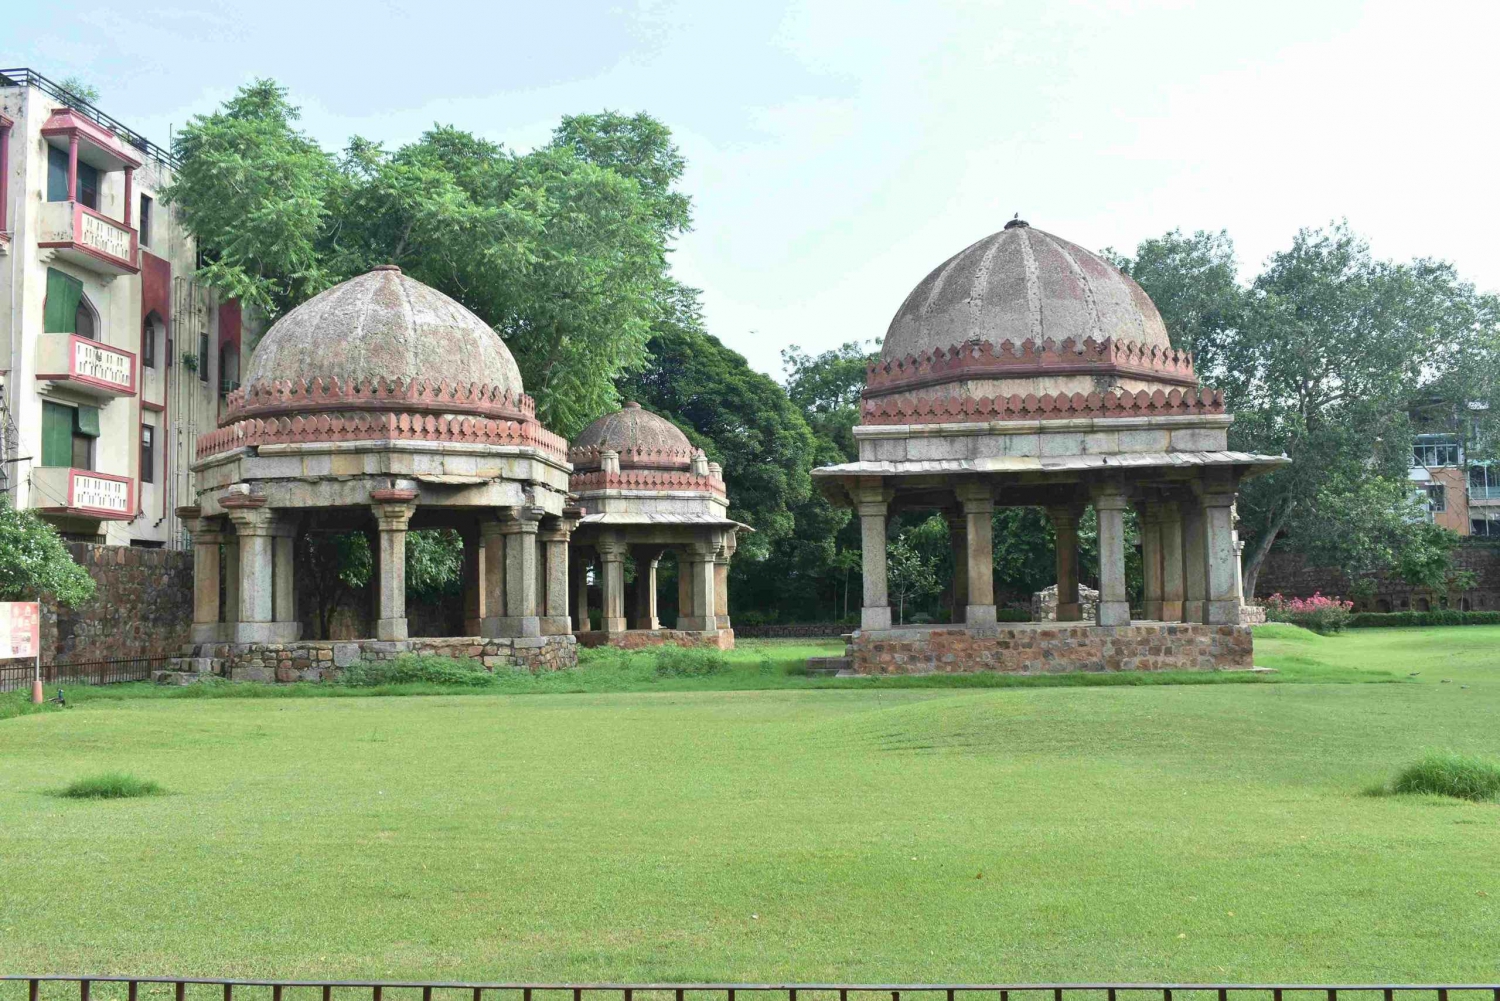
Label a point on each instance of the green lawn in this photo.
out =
(737, 827)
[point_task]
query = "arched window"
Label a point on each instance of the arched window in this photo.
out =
(86, 320)
(151, 336)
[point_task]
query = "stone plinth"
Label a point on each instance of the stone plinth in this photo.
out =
(638, 639)
(1050, 648)
(322, 660)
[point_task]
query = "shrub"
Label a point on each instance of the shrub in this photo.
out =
(416, 668)
(689, 662)
(1012, 615)
(1320, 614)
(35, 562)
(1441, 617)
(1450, 774)
(111, 785)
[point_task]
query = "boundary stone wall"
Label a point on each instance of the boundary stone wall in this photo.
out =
(1050, 648)
(322, 660)
(1289, 573)
(142, 606)
(639, 639)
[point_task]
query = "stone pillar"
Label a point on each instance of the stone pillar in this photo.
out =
(1065, 527)
(253, 524)
(958, 540)
(646, 560)
(554, 540)
(473, 580)
(1114, 603)
(979, 506)
(684, 588)
(492, 573)
(1222, 605)
(580, 578)
(873, 502)
(393, 510)
(1194, 561)
(284, 561)
(521, 616)
(701, 556)
(230, 562)
(1151, 560)
(721, 580)
(612, 584)
(206, 541)
(1171, 562)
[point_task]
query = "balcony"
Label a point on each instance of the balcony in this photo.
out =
(1484, 494)
(89, 239)
(85, 365)
(82, 493)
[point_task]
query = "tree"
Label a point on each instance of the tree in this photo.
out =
(77, 92)
(910, 574)
(34, 562)
(827, 387)
(1193, 280)
(564, 250)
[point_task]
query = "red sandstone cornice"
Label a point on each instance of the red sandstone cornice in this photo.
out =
(1010, 360)
(380, 427)
(969, 409)
(393, 495)
(589, 456)
(319, 395)
(644, 479)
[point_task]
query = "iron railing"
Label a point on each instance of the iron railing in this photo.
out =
(24, 77)
(19, 673)
(348, 990)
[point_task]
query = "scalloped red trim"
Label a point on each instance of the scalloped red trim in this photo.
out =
(963, 409)
(642, 479)
(588, 456)
(378, 427)
(319, 394)
(1009, 360)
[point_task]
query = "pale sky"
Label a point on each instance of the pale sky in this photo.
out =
(840, 151)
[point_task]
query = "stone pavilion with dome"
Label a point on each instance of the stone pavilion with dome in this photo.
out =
(380, 406)
(1028, 371)
(643, 491)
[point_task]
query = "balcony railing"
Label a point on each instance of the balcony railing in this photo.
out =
(1484, 493)
(89, 238)
(21, 76)
(82, 493)
(85, 365)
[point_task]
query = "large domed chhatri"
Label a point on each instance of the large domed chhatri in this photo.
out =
(1027, 371)
(1022, 311)
(379, 406)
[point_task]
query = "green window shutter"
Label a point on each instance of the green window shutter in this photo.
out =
(57, 174)
(60, 314)
(57, 434)
(88, 421)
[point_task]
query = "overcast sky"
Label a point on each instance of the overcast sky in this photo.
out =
(840, 151)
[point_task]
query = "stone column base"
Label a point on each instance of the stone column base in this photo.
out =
(697, 623)
(979, 615)
(1223, 613)
(1192, 611)
(254, 632)
(1114, 613)
(557, 625)
(875, 617)
(208, 632)
(519, 626)
(1069, 611)
(390, 629)
(612, 624)
(1171, 611)
(1153, 611)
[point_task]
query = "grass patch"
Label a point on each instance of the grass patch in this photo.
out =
(1448, 773)
(110, 785)
(415, 669)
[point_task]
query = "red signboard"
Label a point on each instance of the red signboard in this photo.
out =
(20, 629)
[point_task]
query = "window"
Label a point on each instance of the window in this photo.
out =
(150, 334)
(148, 454)
(83, 321)
(1434, 453)
(1484, 482)
(203, 357)
(57, 179)
(1437, 498)
(1486, 525)
(145, 221)
(68, 435)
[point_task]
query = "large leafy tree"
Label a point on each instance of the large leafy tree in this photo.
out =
(564, 250)
(1321, 358)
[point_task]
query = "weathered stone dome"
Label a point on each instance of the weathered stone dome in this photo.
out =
(1023, 312)
(1022, 284)
(641, 438)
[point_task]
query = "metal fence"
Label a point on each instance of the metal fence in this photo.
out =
(18, 673)
(22, 76)
(85, 988)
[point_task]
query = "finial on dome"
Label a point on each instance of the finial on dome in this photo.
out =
(387, 267)
(1018, 223)
(632, 405)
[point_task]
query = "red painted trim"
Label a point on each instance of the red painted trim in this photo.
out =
(158, 408)
(67, 122)
(156, 283)
(391, 494)
(103, 512)
(72, 169)
(5, 124)
(72, 375)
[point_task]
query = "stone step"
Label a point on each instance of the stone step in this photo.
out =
(826, 667)
(188, 670)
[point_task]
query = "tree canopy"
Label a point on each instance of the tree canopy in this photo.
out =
(34, 562)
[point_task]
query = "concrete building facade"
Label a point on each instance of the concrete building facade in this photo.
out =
(114, 360)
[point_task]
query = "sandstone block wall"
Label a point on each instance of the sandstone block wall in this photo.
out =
(1028, 648)
(142, 606)
(639, 639)
(322, 660)
(1290, 574)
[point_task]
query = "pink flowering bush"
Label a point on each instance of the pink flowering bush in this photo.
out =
(1318, 613)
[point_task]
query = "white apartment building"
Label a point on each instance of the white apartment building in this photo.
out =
(113, 358)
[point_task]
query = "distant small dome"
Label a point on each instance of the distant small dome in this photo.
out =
(1022, 284)
(640, 437)
(384, 325)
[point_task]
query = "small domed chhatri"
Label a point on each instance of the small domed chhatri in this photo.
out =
(1027, 371)
(379, 406)
(645, 491)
